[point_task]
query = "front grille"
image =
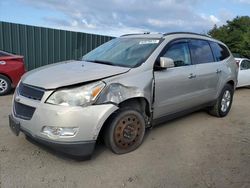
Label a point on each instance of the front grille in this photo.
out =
(23, 111)
(30, 91)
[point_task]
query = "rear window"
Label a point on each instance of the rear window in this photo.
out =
(200, 51)
(4, 54)
(245, 65)
(220, 51)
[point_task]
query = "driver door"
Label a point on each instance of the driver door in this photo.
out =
(175, 87)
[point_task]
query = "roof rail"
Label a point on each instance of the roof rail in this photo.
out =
(135, 34)
(172, 33)
(145, 33)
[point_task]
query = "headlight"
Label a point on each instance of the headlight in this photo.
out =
(80, 96)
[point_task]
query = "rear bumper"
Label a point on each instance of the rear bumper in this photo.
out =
(16, 74)
(83, 149)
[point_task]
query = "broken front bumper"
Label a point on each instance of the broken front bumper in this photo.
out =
(89, 121)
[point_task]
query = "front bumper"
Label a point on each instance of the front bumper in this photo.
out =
(89, 121)
(83, 149)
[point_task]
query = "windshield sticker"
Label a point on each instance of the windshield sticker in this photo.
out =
(149, 42)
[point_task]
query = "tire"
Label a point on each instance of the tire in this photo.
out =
(223, 103)
(5, 85)
(125, 131)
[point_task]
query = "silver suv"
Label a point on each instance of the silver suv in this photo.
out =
(121, 88)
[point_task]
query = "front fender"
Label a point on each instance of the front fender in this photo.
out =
(116, 93)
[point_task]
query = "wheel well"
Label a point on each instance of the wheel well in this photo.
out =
(141, 104)
(231, 82)
(6, 76)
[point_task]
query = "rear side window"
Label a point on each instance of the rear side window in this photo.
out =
(220, 51)
(200, 51)
(2, 54)
(245, 65)
(179, 52)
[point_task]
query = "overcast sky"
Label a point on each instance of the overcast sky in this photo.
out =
(117, 17)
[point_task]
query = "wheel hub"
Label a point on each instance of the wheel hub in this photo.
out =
(128, 131)
(225, 101)
(3, 85)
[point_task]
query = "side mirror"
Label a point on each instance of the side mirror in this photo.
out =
(166, 62)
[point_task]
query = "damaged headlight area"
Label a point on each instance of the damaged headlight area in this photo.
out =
(80, 96)
(56, 132)
(116, 93)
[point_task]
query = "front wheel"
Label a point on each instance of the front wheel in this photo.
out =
(223, 103)
(125, 131)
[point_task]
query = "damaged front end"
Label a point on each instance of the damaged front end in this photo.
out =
(117, 93)
(130, 93)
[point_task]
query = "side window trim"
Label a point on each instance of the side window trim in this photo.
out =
(215, 60)
(210, 44)
(191, 56)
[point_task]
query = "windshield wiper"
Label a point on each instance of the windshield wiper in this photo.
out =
(101, 62)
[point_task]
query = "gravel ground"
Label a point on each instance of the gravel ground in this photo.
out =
(193, 151)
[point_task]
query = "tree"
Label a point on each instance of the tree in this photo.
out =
(235, 34)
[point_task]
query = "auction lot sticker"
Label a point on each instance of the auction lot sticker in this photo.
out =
(149, 42)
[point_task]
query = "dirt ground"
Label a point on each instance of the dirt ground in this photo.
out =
(194, 151)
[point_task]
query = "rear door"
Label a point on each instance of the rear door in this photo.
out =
(244, 74)
(207, 70)
(221, 56)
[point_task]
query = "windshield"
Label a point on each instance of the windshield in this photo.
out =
(126, 52)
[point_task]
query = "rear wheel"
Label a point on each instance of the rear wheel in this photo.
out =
(223, 103)
(125, 131)
(5, 85)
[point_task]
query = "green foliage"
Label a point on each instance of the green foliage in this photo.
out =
(235, 34)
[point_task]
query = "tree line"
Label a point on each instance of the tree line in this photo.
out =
(235, 34)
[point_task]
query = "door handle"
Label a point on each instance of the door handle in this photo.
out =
(218, 71)
(191, 76)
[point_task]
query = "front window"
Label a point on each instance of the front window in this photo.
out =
(179, 52)
(125, 52)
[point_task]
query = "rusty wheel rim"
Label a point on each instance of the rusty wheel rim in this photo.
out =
(128, 132)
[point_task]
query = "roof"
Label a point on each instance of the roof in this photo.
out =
(241, 59)
(160, 35)
(172, 35)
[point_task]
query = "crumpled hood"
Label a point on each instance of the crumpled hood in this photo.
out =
(69, 73)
